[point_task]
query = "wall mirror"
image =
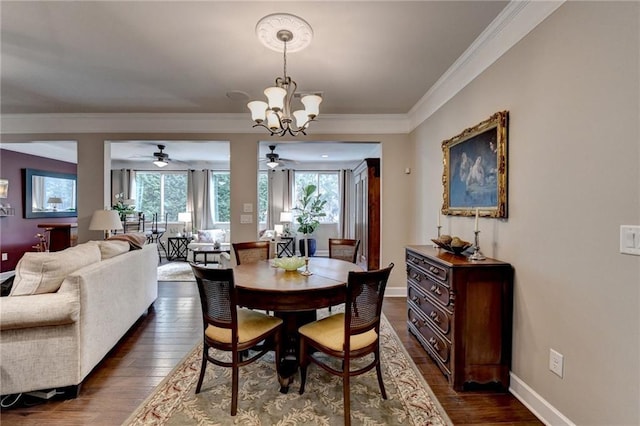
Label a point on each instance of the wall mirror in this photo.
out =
(49, 194)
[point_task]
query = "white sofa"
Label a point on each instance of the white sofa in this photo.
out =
(208, 238)
(53, 339)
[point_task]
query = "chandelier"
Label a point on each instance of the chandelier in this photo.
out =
(278, 110)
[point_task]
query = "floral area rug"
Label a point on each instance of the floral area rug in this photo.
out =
(410, 400)
(175, 271)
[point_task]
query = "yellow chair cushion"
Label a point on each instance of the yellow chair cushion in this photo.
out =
(329, 332)
(251, 324)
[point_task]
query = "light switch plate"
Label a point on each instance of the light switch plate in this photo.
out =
(247, 208)
(630, 239)
(246, 218)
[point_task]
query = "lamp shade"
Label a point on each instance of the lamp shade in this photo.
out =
(311, 104)
(286, 217)
(258, 110)
(184, 217)
(54, 200)
(105, 220)
(275, 95)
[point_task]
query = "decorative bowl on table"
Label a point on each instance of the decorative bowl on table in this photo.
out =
(289, 263)
(453, 245)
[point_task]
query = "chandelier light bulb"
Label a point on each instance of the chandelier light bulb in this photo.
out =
(311, 105)
(275, 96)
(258, 110)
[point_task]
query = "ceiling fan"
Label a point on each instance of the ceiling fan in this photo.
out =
(161, 158)
(273, 159)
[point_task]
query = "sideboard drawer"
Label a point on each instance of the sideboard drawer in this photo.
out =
(430, 286)
(438, 317)
(428, 266)
(437, 347)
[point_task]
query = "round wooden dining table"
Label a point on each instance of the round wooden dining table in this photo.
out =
(292, 296)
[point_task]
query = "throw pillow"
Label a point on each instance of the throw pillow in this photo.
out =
(135, 240)
(38, 273)
(210, 235)
(111, 248)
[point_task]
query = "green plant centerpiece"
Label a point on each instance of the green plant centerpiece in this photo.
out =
(123, 209)
(310, 207)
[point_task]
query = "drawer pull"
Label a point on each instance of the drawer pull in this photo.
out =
(415, 299)
(414, 321)
(433, 269)
(435, 289)
(434, 343)
(434, 316)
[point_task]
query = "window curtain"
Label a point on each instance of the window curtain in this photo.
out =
(199, 198)
(347, 213)
(123, 181)
(280, 194)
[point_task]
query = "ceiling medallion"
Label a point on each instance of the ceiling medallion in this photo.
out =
(282, 32)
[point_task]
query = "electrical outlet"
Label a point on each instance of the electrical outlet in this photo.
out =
(5, 256)
(556, 362)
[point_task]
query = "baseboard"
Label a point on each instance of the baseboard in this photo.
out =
(395, 292)
(540, 407)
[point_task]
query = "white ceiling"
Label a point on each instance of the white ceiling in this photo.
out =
(366, 57)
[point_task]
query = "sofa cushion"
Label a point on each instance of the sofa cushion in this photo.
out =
(38, 273)
(111, 248)
(211, 236)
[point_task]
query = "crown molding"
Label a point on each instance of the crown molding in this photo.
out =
(515, 21)
(192, 123)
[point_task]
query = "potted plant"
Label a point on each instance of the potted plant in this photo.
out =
(310, 208)
(123, 209)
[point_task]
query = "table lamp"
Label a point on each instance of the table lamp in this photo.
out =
(184, 217)
(286, 218)
(55, 201)
(105, 220)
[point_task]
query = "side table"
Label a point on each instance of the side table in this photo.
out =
(286, 246)
(177, 248)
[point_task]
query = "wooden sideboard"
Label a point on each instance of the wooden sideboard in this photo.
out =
(461, 313)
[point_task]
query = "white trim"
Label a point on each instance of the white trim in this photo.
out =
(515, 21)
(539, 406)
(396, 292)
(193, 123)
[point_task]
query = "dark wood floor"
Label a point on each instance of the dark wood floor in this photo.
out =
(163, 337)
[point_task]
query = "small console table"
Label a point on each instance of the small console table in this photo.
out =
(177, 248)
(286, 246)
(61, 235)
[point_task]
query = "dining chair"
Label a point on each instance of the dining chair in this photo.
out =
(251, 251)
(232, 329)
(344, 249)
(352, 334)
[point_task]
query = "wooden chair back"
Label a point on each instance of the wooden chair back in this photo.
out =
(344, 249)
(251, 251)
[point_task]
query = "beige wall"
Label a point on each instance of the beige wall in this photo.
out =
(571, 87)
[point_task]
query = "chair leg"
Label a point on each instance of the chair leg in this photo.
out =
(203, 367)
(234, 383)
(304, 362)
(346, 396)
(379, 372)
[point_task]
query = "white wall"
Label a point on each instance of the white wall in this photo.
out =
(572, 90)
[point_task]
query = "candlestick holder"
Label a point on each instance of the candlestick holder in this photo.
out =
(439, 227)
(477, 254)
(306, 271)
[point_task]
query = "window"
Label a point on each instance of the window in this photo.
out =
(328, 186)
(162, 193)
(221, 196)
(263, 197)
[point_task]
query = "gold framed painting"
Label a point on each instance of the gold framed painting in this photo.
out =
(475, 169)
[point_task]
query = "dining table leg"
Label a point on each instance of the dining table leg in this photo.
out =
(290, 350)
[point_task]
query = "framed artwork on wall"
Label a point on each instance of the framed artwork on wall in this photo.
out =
(475, 169)
(4, 188)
